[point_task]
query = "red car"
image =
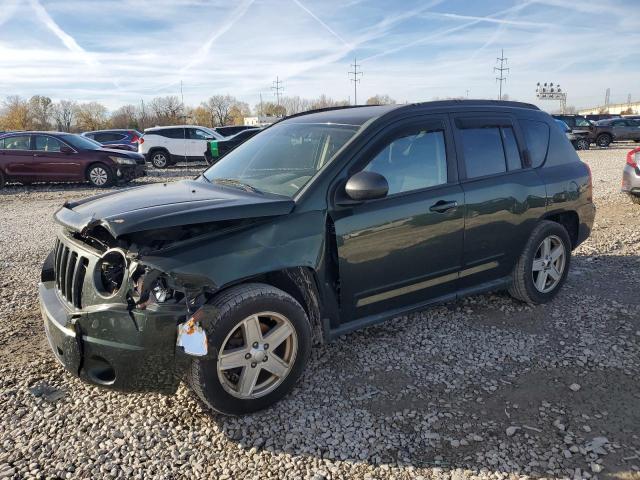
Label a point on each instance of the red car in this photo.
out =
(28, 157)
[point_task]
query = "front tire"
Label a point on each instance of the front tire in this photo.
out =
(604, 140)
(542, 267)
(259, 344)
(2, 180)
(160, 159)
(99, 175)
(582, 144)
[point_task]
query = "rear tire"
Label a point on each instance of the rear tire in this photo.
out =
(537, 276)
(604, 140)
(2, 180)
(160, 159)
(243, 380)
(100, 175)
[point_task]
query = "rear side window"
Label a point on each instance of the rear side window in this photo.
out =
(21, 142)
(168, 132)
(108, 137)
(483, 152)
(536, 134)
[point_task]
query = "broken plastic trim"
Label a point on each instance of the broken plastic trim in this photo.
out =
(192, 337)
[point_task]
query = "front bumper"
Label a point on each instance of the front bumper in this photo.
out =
(114, 347)
(631, 180)
(126, 173)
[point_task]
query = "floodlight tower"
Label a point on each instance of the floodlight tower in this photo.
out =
(549, 91)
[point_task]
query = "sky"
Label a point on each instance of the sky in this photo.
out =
(124, 51)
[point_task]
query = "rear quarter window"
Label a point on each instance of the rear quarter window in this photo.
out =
(536, 134)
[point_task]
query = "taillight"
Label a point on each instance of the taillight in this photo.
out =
(135, 138)
(140, 141)
(633, 157)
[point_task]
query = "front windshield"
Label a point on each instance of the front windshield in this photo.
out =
(80, 142)
(283, 158)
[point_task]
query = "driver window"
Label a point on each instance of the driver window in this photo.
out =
(47, 144)
(198, 134)
(412, 161)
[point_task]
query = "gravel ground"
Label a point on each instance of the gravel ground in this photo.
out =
(482, 388)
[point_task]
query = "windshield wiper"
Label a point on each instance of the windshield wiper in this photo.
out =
(232, 182)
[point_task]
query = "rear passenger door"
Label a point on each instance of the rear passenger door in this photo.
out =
(504, 197)
(17, 157)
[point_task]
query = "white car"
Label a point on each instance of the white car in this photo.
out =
(165, 146)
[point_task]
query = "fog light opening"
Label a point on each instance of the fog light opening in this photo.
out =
(100, 370)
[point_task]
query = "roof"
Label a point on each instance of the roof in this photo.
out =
(358, 115)
(110, 130)
(163, 127)
(36, 132)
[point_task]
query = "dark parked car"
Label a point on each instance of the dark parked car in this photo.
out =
(579, 139)
(119, 138)
(616, 129)
(324, 223)
(28, 157)
(594, 117)
(219, 148)
(229, 130)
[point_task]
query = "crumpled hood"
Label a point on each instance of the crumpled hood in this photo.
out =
(164, 205)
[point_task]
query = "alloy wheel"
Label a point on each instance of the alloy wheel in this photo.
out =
(548, 264)
(257, 355)
(98, 176)
(159, 160)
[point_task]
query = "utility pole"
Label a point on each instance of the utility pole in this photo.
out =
(354, 76)
(276, 87)
(607, 98)
(501, 71)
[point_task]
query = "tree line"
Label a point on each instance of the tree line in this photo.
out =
(42, 113)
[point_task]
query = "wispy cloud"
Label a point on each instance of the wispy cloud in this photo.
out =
(412, 50)
(66, 39)
(324, 25)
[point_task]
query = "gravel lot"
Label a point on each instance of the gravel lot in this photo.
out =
(483, 388)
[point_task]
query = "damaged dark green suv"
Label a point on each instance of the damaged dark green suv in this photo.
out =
(323, 223)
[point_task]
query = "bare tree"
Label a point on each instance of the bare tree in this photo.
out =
(380, 100)
(125, 117)
(91, 116)
(167, 110)
(219, 108)
(64, 113)
(40, 109)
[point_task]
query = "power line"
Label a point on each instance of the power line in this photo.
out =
(501, 71)
(354, 77)
(277, 89)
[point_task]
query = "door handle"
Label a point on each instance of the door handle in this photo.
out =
(442, 206)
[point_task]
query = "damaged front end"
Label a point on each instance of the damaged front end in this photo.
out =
(115, 321)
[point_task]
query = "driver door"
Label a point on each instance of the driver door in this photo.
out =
(196, 143)
(404, 249)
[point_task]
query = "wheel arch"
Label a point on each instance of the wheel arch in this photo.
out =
(299, 282)
(570, 220)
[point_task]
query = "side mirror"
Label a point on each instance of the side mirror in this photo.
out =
(66, 149)
(366, 186)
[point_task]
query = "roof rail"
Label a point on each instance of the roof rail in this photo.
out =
(325, 109)
(463, 101)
